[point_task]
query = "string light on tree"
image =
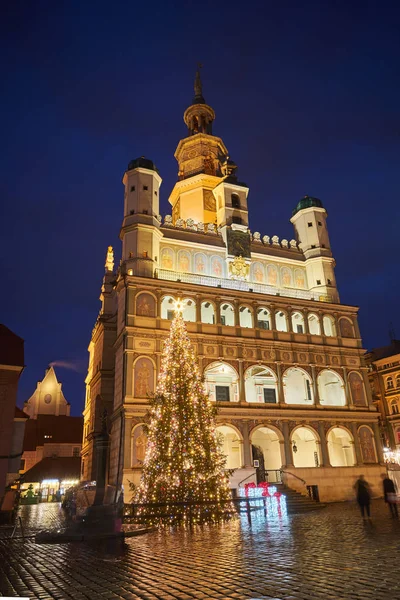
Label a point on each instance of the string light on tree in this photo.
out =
(184, 466)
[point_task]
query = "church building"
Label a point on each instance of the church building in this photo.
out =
(281, 356)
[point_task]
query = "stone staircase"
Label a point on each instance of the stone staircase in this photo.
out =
(296, 502)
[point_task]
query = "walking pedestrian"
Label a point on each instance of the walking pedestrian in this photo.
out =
(389, 493)
(363, 493)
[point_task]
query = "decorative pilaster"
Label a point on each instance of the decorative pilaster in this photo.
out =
(357, 447)
(317, 400)
(242, 391)
(324, 445)
(378, 443)
(288, 449)
(349, 399)
(246, 445)
(281, 394)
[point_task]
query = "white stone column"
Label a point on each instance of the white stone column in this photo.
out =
(288, 448)
(246, 445)
(324, 445)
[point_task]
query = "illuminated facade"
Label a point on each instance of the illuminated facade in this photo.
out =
(281, 356)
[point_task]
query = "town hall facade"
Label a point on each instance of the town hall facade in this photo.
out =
(281, 356)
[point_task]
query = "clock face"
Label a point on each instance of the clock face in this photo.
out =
(47, 398)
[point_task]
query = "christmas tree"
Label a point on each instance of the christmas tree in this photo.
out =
(183, 469)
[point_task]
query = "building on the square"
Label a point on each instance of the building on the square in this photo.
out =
(281, 356)
(48, 398)
(12, 418)
(384, 375)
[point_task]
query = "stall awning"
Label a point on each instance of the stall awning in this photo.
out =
(61, 468)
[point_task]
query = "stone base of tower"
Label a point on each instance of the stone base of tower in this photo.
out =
(335, 484)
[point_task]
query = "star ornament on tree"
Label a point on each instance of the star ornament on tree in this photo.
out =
(179, 307)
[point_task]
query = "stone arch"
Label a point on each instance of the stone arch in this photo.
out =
(231, 441)
(357, 389)
(200, 263)
(267, 447)
(184, 262)
(329, 326)
(222, 382)
(246, 318)
(168, 307)
(144, 374)
(346, 327)
(331, 388)
(138, 445)
(227, 314)
(208, 312)
(263, 318)
(305, 444)
(314, 324)
(281, 320)
(340, 443)
(189, 310)
(167, 260)
(146, 304)
(297, 386)
(298, 324)
(367, 444)
(261, 385)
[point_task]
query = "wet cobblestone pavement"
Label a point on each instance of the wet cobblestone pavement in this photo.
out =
(322, 555)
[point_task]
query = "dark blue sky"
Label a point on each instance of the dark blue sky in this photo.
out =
(307, 98)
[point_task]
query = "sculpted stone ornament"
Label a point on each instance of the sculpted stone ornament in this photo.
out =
(211, 228)
(200, 226)
(239, 269)
(275, 240)
(285, 244)
(179, 223)
(168, 220)
(109, 266)
(266, 240)
(257, 236)
(293, 244)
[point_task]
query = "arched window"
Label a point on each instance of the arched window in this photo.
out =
(266, 449)
(263, 318)
(245, 316)
(281, 321)
(138, 446)
(389, 383)
(221, 381)
(260, 385)
(143, 377)
(145, 305)
(297, 386)
(227, 314)
(189, 310)
(314, 325)
(341, 447)
(357, 389)
(346, 328)
(367, 443)
(298, 322)
(168, 308)
(329, 326)
(231, 445)
(305, 447)
(331, 389)
(207, 312)
(394, 407)
(235, 201)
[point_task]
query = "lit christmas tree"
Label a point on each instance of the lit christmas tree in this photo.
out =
(183, 462)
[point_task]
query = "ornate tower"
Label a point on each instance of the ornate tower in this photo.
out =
(140, 232)
(309, 220)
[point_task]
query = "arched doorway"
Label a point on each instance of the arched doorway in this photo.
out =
(231, 445)
(222, 382)
(340, 447)
(266, 449)
(305, 448)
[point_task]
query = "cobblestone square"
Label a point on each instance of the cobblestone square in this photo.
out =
(328, 554)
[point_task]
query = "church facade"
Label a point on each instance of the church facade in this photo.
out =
(281, 356)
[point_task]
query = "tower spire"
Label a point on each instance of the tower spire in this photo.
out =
(198, 87)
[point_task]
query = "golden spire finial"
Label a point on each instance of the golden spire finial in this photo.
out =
(109, 266)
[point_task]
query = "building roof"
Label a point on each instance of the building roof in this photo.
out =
(142, 163)
(62, 468)
(11, 348)
(385, 351)
(19, 414)
(307, 202)
(61, 429)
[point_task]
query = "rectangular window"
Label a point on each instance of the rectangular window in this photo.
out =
(269, 396)
(132, 188)
(319, 223)
(299, 328)
(263, 324)
(145, 212)
(329, 282)
(222, 393)
(132, 212)
(309, 224)
(145, 187)
(237, 220)
(313, 246)
(318, 282)
(155, 193)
